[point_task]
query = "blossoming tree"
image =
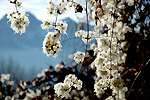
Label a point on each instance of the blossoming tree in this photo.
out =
(99, 71)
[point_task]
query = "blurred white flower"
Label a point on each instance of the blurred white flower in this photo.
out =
(51, 8)
(61, 26)
(70, 56)
(4, 77)
(115, 73)
(79, 33)
(110, 98)
(78, 84)
(19, 21)
(16, 3)
(85, 98)
(85, 36)
(7, 98)
(93, 46)
(61, 7)
(42, 74)
(62, 90)
(10, 83)
(130, 2)
(51, 43)
(102, 73)
(47, 25)
(72, 80)
(79, 57)
(58, 67)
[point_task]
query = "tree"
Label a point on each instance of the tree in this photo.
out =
(102, 71)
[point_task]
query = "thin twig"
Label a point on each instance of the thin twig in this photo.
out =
(87, 37)
(68, 39)
(80, 70)
(82, 37)
(136, 78)
(113, 12)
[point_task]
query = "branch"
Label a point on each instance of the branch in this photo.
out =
(87, 37)
(136, 78)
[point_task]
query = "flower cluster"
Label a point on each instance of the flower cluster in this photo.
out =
(47, 25)
(85, 35)
(61, 26)
(79, 57)
(109, 54)
(103, 65)
(4, 77)
(63, 89)
(51, 8)
(15, 3)
(130, 2)
(19, 21)
(42, 74)
(58, 67)
(51, 43)
(62, 6)
(42, 87)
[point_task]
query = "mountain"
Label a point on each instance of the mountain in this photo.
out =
(26, 49)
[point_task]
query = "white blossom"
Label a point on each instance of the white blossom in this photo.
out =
(82, 93)
(103, 73)
(4, 77)
(11, 15)
(47, 25)
(10, 83)
(16, 3)
(93, 46)
(51, 43)
(61, 26)
(130, 2)
(19, 21)
(100, 86)
(110, 98)
(58, 67)
(79, 33)
(23, 84)
(51, 8)
(79, 57)
(109, 54)
(88, 36)
(62, 90)
(72, 80)
(78, 84)
(32, 94)
(85, 98)
(85, 36)
(115, 73)
(7, 98)
(70, 56)
(61, 7)
(42, 74)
